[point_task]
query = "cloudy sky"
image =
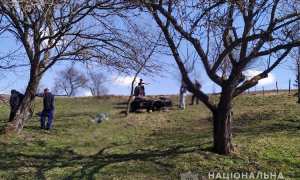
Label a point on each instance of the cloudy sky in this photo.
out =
(120, 85)
(168, 84)
(264, 82)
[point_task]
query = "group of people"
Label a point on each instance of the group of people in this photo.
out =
(16, 99)
(182, 92)
(140, 91)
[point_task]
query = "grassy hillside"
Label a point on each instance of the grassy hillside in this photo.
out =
(158, 145)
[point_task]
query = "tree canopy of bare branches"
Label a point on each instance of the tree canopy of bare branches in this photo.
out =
(96, 83)
(227, 35)
(51, 31)
(68, 81)
(295, 66)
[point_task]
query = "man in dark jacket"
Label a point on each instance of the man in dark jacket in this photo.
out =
(48, 111)
(141, 84)
(198, 86)
(14, 102)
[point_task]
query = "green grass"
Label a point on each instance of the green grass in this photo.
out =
(158, 145)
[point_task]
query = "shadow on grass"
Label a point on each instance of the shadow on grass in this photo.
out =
(61, 158)
(263, 123)
(122, 112)
(123, 106)
(122, 103)
(120, 107)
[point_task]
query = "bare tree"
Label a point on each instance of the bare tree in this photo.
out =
(96, 83)
(189, 60)
(238, 33)
(40, 87)
(295, 66)
(143, 52)
(69, 81)
(295, 56)
(142, 47)
(51, 31)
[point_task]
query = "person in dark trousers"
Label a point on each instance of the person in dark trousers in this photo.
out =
(48, 111)
(14, 102)
(142, 87)
(199, 86)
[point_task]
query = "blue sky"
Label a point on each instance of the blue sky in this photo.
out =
(120, 85)
(169, 84)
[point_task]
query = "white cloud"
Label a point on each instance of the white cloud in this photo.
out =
(87, 93)
(263, 82)
(123, 81)
(45, 34)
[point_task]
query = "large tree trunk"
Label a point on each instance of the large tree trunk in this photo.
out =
(128, 105)
(24, 112)
(131, 93)
(132, 88)
(222, 124)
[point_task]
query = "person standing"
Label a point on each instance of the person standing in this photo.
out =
(142, 87)
(14, 102)
(48, 111)
(182, 95)
(198, 86)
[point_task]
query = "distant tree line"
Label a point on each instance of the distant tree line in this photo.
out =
(70, 80)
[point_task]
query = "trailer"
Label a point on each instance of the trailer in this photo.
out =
(142, 104)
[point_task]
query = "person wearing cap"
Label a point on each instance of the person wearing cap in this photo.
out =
(198, 86)
(142, 87)
(14, 102)
(48, 111)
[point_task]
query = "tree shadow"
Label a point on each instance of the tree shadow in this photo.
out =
(120, 107)
(123, 106)
(263, 123)
(122, 103)
(122, 112)
(89, 165)
(101, 160)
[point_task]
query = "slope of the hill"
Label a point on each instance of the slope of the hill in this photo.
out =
(158, 145)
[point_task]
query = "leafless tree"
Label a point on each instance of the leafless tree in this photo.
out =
(40, 87)
(96, 83)
(238, 33)
(295, 66)
(143, 52)
(51, 31)
(190, 61)
(69, 81)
